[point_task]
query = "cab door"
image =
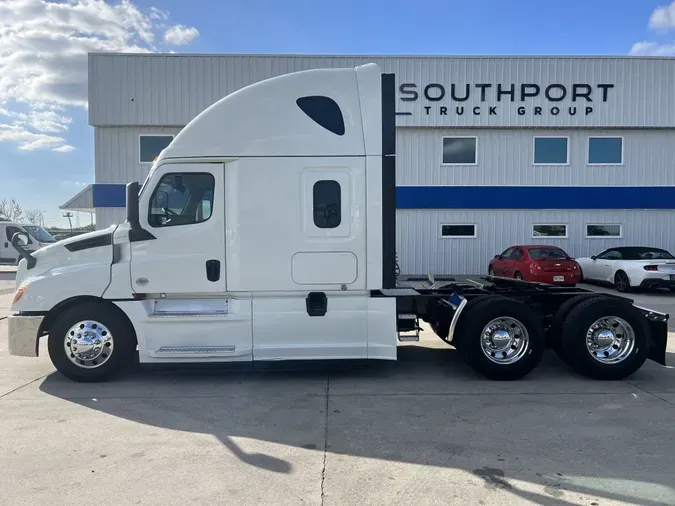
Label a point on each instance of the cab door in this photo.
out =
(183, 208)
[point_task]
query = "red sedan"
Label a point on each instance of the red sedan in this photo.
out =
(541, 263)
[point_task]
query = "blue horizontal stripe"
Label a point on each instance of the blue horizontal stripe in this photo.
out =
(491, 197)
(535, 197)
(109, 195)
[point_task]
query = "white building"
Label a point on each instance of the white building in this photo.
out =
(491, 151)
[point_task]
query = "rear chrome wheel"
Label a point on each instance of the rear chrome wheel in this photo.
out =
(500, 338)
(599, 343)
(610, 340)
(518, 275)
(504, 340)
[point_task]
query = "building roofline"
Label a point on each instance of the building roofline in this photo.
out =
(400, 56)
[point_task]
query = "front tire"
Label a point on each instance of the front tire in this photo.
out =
(92, 341)
(501, 338)
(491, 271)
(605, 338)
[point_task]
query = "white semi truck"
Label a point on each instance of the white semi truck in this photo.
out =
(266, 231)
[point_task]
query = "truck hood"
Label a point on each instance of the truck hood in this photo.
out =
(82, 250)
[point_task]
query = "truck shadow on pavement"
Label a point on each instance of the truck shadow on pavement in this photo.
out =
(550, 438)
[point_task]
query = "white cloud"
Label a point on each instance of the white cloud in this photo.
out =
(30, 141)
(43, 59)
(652, 49)
(179, 35)
(663, 17)
(64, 149)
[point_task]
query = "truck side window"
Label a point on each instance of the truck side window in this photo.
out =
(327, 204)
(182, 199)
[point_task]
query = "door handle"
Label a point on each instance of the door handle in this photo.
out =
(213, 270)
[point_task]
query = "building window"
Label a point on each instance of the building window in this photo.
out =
(459, 150)
(451, 230)
(152, 145)
(182, 199)
(605, 150)
(551, 150)
(549, 231)
(602, 230)
(327, 204)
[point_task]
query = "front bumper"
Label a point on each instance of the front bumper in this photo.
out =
(24, 335)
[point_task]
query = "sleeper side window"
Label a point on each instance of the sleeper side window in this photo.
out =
(182, 199)
(327, 204)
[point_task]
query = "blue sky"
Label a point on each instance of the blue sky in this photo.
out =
(39, 177)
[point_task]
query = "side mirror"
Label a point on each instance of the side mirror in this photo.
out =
(593, 257)
(19, 240)
(22, 238)
(498, 257)
(137, 233)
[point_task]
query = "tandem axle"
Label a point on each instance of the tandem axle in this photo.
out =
(502, 326)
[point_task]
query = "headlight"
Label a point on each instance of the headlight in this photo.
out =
(19, 293)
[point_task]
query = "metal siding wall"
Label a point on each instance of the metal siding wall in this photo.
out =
(171, 90)
(117, 153)
(421, 250)
(505, 157)
(106, 216)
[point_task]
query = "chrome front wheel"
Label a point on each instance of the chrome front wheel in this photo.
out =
(89, 344)
(92, 341)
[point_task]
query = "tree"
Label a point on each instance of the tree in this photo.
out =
(10, 210)
(34, 216)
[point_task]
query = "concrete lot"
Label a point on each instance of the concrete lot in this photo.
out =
(425, 429)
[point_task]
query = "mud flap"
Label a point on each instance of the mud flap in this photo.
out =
(658, 335)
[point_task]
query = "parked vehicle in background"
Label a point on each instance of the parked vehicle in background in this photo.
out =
(631, 267)
(38, 238)
(538, 262)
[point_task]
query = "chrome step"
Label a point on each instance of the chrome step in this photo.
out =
(189, 350)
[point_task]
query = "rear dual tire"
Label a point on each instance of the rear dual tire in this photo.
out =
(600, 337)
(500, 338)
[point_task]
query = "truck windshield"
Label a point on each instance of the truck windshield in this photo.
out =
(39, 234)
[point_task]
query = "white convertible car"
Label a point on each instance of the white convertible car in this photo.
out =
(630, 267)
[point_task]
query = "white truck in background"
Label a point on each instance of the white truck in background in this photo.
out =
(37, 236)
(266, 231)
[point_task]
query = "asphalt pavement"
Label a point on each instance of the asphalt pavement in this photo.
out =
(424, 429)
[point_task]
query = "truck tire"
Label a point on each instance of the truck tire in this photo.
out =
(501, 338)
(598, 343)
(555, 331)
(92, 341)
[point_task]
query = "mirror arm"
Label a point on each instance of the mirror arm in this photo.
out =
(30, 259)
